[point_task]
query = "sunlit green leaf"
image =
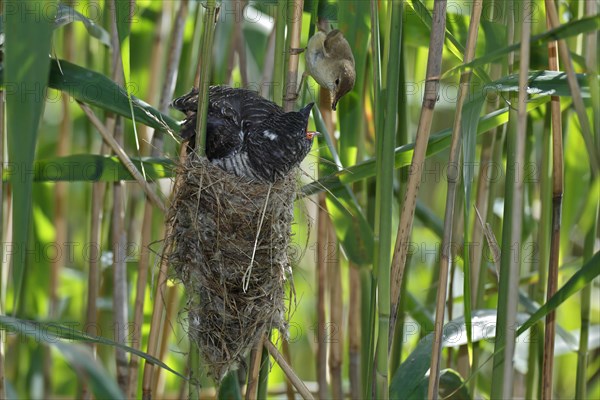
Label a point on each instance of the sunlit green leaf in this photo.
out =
(51, 332)
(572, 28)
(543, 83)
(90, 168)
(577, 282)
(437, 142)
(67, 14)
(96, 89)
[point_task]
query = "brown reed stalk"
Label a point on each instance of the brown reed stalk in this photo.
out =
(146, 133)
(516, 224)
(354, 333)
(155, 67)
(170, 320)
(336, 305)
(591, 54)
(295, 28)
(173, 57)
(157, 315)
(578, 104)
(288, 371)
(60, 207)
(255, 357)
(453, 180)
(321, 276)
(432, 83)
(557, 193)
(3, 267)
(122, 156)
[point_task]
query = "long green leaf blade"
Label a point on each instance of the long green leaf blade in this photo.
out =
(50, 332)
(573, 28)
(437, 142)
(91, 168)
(98, 90)
(28, 36)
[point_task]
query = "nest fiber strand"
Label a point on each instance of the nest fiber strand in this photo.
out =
(229, 248)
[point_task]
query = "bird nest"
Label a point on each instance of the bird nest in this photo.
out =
(229, 247)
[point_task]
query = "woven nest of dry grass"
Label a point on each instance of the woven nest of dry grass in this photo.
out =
(229, 247)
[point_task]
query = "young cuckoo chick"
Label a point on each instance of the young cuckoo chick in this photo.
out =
(247, 134)
(330, 62)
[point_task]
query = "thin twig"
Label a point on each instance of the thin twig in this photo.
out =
(123, 157)
(288, 371)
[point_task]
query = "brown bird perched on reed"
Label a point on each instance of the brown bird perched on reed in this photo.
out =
(330, 62)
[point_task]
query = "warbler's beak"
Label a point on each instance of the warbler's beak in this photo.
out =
(312, 134)
(335, 98)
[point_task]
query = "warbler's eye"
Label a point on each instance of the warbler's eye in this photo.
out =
(337, 81)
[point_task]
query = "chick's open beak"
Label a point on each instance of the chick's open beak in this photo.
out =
(311, 134)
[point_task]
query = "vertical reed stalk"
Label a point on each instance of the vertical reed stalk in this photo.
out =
(202, 81)
(254, 369)
(155, 68)
(539, 290)
(591, 55)
(432, 83)
(263, 375)
(321, 275)
(586, 130)
(484, 186)
(3, 267)
(60, 207)
(170, 319)
(204, 64)
(386, 143)
(502, 378)
(168, 88)
(370, 361)
(157, 313)
(336, 304)
(295, 8)
(354, 332)
(98, 197)
(120, 294)
(453, 180)
(119, 240)
(584, 332)
(557, 193)
(279, 59)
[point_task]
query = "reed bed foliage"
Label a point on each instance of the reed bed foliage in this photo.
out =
(466, 155)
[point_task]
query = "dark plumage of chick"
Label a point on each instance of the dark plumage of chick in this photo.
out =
(248, 135)
(329, 60)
